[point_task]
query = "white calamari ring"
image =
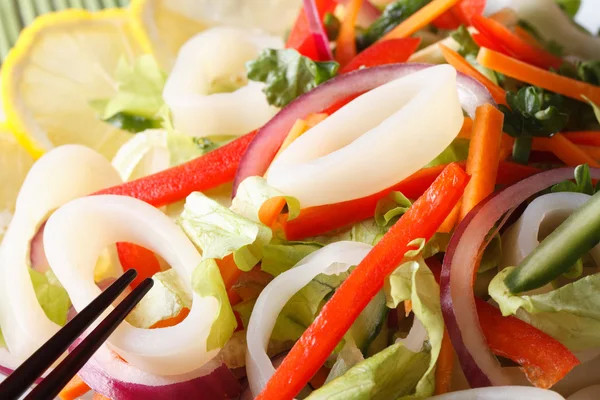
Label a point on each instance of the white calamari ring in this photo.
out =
(75, 235)
(217, 55)
(63, 174)
(374, 141)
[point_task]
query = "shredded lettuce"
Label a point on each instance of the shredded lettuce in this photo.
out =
(167, 298)
(389, 374)
(138, 101)
(53, 298)
(349, 356)
(219, 231)
(457, 151)
(253, 192)
(414, 281)
(569, 314)
(391, 208)
(279, 257)
(287, 74)
(207, 282)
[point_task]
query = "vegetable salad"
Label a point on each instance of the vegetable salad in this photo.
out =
(336, 199)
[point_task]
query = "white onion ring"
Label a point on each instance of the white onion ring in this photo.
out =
(75, 235)
(201, 62)
(385, 134)
(416, 336)
(331, 259)
(501, 393)
(61, 175)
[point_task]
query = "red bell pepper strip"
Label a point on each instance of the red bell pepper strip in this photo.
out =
(483, 41)
(320, 339)
(460, 14)
(318, 220)
(174, 184)
(139, 258)
(301, 38)
(381, 53)
(544, 360)
(513, 45)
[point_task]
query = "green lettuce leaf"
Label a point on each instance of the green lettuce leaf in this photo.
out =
(207, 282)
(391, 208)
(468, 47)
(219, 231)
(491, 255)
(569, 314)
(457, 151)
(569, 6)
(414, 281)
(167, 298)
(253, 192)
(287, 74)
(279, 257)
(389, 374)
(583, 182)
(53, 298)
(138, 101)
(595, 106)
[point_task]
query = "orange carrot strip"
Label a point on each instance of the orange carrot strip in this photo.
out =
(527, 37)
(407, 307)
(98, 396)
(537, 76)
(484, 156)
(465, 130)
(445, 364)
(567, 151)
(462, 65)
(420, 19)
(172, 321)
(592, 151)
(590, 138)
(230, 274)
(346, 42)
(450, 221)
(74, 389)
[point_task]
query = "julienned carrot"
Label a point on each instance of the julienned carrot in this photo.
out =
(74, 389)
(484, 154)
(513, 45)
(381, 53)
(462, 65)
(592, 151)
(345, 49)
(319, 220)
(569, 152)
(420, 19)
(172, 321)
(230, 274)
(589, 138)
(139, 258)
(466, 129)
(339, 313)
(537, 76)
(98, 396)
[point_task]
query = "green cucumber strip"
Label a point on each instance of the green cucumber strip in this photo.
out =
(560, 250)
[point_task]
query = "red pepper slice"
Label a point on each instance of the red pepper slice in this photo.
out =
(174, 184)
(484, 41)
(513, 45)
(319, 340)
(544, 359)
(318, 220)
(460, 14)
(386, 52)
(301, 38)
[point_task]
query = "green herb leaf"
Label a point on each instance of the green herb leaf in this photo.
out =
(391, 17)
(584, 71)
(332, 26)
(133, 123)
(595, 107)
(582, 184)
(287, 74)
(569, 6)
(468, 47)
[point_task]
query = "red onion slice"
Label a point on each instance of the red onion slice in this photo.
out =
(113, 378)
(316, 28)
(460, 264)
(268, 140)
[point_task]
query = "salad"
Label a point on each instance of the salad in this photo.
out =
(336, 199)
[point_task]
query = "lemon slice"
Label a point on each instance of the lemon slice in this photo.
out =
(15, 162)
(163, 26)
(60, 63)
(162, 29)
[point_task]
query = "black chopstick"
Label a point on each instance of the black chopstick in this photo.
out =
(24, 376)
(68, 368)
